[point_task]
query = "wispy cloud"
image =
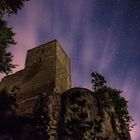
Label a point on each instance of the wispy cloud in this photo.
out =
(91, 47)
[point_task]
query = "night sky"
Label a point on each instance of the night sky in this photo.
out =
(98, 35)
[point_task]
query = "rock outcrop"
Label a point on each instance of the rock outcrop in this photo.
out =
(48, 108)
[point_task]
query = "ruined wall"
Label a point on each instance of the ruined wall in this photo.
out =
(70, 114)
(47, 69)
(83, 118)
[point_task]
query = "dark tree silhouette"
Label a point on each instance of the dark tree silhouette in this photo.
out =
(98, 80)
(7, 7)
(6, 39)
(107, 95)
(10, 6)
(7, 104)
(41, 117)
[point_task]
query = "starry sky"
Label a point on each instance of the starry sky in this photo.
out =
(98, 35)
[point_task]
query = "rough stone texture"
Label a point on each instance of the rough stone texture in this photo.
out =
(47, 69)
(83, 118)
(52, 105)
(79, 110)
(70, 114)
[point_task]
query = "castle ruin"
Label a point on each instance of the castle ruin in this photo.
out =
(71, 113)
(47, 69)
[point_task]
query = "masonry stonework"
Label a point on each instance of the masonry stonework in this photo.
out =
(70, 113)
(47, 69)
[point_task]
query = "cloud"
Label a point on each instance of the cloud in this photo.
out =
(91, 46)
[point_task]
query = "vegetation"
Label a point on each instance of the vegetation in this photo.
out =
(6, 39)
(110, 96)
(76, 125)
(7, 104)
(10, 6)
(26, 127)
(98, 81)
(7, 7)
(41, 117)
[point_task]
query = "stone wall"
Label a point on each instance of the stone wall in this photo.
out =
(47, 69)
(83, 118)
(44, 86)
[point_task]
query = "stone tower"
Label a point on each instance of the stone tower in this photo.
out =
(47, 69)
(54, 62)
(44, 86)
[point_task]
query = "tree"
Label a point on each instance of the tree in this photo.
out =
(7, 104)
(41, 116)
(107, 95)
(121, 108)
(98, 81)
(7, 7)
(6, 39)
(10, 6)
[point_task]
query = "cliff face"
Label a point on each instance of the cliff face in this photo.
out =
(50, 109)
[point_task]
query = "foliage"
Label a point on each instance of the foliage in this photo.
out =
(109, 96)
(7, 104)
(10, 6)
(40, 113)
(6, 39)
(78, 125)
(98, 80)
(121, 108)
(7, 113)
(7, 7)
